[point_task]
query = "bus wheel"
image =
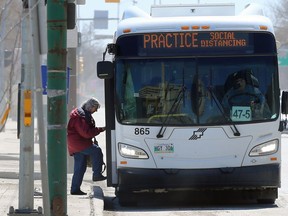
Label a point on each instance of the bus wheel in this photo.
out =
(266, 201)
(127, 199)
(127, 202)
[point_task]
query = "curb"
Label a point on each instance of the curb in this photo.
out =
(15, 175)
(97, 206)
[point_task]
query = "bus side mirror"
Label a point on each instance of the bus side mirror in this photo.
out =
(284, 103)
(284, 110)
(105, 69)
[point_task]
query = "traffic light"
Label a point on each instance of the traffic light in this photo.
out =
(71, 15)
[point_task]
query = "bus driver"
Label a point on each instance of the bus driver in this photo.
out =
(244, 97)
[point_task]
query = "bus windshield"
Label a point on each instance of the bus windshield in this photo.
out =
(197, 91)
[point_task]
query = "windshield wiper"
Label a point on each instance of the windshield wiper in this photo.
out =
(220, 107)
(172, 109)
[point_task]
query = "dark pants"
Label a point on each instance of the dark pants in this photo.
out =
(80, 165)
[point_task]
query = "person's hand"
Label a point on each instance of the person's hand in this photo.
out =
(103, 128)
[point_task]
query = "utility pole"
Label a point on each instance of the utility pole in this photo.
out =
(38, 42)
(26, 167)
(56, 105)
(26, 162)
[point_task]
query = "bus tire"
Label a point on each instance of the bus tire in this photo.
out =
(127, 203)
(127, 199)
(265, 201)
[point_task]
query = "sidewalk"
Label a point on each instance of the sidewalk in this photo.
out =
(91, 204)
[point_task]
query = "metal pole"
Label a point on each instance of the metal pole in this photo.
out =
(39, 102)
(72, 99)
(57, 107)
(26, 167)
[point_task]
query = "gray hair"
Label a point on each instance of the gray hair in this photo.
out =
(90, 104)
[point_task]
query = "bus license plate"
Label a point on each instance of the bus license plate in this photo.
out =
(164, 148)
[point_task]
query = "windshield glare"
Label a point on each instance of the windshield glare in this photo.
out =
(203, 91)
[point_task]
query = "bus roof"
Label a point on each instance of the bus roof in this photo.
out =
(145, 23)
(216, 9)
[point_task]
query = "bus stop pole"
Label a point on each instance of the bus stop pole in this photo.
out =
(35, 35)
(26, 162)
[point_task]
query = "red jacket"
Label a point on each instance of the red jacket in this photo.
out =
(80, 130)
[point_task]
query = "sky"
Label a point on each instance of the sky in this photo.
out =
(115, 10)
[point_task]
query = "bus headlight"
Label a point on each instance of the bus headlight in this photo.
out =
(265, 148)
(129, 151)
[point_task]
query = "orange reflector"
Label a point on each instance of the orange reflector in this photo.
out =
(205, 27)
(195, 27)
(126, 30)
(27, 107)
(123, 162)
(185, 27)
(262, 27)
(273, 159)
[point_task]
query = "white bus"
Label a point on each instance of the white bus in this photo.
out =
(176, 116)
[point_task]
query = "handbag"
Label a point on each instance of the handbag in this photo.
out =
(95, 142)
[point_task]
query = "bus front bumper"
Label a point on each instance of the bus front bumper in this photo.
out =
(252, 177)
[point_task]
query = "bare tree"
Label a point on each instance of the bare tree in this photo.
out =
(280, 20)
(10, 32)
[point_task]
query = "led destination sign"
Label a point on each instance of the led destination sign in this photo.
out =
(194, 40)
(195, 44)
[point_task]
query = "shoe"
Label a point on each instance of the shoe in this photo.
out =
(79, 192)
(99, 178)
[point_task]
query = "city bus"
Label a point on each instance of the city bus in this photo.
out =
(173, 121)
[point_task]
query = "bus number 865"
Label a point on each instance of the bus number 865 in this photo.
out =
(142, 131)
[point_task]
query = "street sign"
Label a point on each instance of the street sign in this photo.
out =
(283, 57)
(112, 1)
(80, 2)
(44, 79)
(100, 19)
(72, 38)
